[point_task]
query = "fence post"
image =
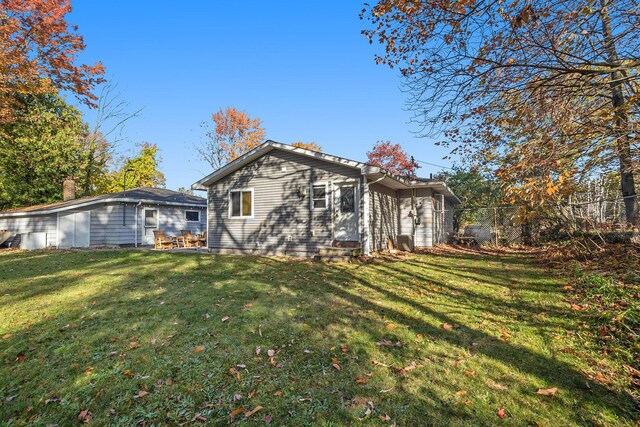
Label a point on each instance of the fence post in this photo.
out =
(495, 223)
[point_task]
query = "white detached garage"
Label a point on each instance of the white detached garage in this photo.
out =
(124, 218)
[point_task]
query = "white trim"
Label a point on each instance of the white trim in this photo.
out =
(58, 230)
(144, 223)
(96, 202)
(326, 195)
(253, 206)
(263, 149)
(189, 210)
(366, 207)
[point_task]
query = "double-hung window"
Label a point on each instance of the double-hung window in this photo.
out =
(241, 203)
(319, 196)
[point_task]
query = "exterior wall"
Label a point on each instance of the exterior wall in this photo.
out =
(39, 223)
(448, 220)
(108, 227)
(383, 216)
(282, 222)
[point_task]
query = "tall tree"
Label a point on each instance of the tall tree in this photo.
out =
(39, 148)
(307, 146)
(480, 70)
(39, 52)
(231, 134)
(141, 170)
(392, 158)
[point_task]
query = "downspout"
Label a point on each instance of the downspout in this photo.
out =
(135, 239)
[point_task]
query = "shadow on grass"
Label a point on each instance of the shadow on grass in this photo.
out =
(120, 302)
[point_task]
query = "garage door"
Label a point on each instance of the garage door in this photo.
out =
(74, 230)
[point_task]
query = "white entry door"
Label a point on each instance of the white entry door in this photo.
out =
(150, 224)
(346, 202)
(74, 229)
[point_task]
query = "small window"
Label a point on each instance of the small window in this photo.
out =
(319, 196)
(150, 218)
(192, 216)
(241, 202)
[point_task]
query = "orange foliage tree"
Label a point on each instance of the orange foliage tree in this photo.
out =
(392, 158)
(232, 133)
(38, 53)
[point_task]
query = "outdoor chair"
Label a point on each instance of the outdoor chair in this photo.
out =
(190, 240)
(161, 240)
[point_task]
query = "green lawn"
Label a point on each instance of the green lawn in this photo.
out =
(167, 338)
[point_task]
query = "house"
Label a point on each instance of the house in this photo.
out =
(123, 218)
(282, 200)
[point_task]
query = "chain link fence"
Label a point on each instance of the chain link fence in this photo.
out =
(601, 219)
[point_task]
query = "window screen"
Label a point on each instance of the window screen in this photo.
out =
(319, 196)
(241, 203)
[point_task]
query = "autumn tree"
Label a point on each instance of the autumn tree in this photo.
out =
(230, 134)
(514, 83)
(307, 146)
(140, 170)
(392, 158)
(39, 52)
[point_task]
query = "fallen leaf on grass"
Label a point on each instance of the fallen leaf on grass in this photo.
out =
(225, 318)
(447, 327)
(501, 413)
(504, 335)
(344, 348)
(461, 392)
(134, 344)
(361, 380)
(576, 307)
(471, 373)
(391, 326)
(267, 419)
(252, 393)
(335, 364)
(599, 378)
(10, 398)
(408, 368)
(7, 336)
(277, 393)
(248, 305)
(253, 411)
(386, 343)
(547, 391)
(385, 417)
(198, 349)
(377, 363)
(84, 416)
(258, 350)
(128, 373)
(237, 396)
(237, 411)
(141, 394)
(271, 353)
(305, 399)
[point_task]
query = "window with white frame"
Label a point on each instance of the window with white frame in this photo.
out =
(241, 203)
(319, 196)
(192, 216)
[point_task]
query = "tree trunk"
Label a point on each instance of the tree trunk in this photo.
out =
(623, 145)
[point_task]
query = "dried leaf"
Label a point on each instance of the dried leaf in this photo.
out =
(134, 344)
(225, 318)
(335, 364)
(128, 373)
(501, 413)
(252, 393)
(391, 326)
(267, 419)
(461, 392)
(198, 349)
(142, 393)
(271, 353)
(344, 348)
(237, 411)
(547, 391)
(253, 411)
(258, 350)
(385, 417)
(277, 393)
(84, 416)
(361, 380)
(471, 373)
(7, 336)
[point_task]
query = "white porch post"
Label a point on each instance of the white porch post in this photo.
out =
(365, 216)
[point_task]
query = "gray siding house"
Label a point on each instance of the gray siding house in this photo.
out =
(281, 200)
(123, 218)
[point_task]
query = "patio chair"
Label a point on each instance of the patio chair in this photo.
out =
(190, 240)
(202, 238)
(161, 240)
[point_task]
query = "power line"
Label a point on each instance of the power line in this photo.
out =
(432, 164)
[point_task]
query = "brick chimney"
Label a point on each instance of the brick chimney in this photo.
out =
(68, 189)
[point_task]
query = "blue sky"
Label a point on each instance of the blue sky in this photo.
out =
(303, 68)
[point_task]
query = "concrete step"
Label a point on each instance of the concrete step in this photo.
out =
(344, 252)
(332, 258)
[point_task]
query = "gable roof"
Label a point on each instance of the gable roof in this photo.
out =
(148, 195)
(373, 172)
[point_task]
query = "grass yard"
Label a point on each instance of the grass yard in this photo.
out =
(149, 338)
